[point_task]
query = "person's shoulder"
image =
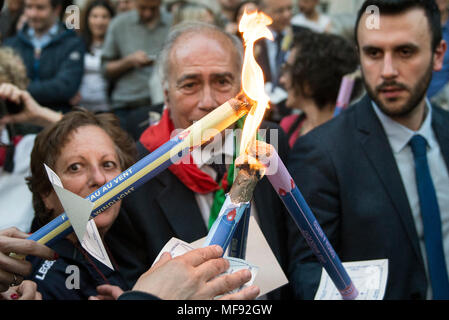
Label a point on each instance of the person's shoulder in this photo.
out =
(336, 128)
(13, 41)
(288, 121)
(67, 37)
(124, 18)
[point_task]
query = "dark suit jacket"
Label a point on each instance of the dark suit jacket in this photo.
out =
(164, 208)
(348, 175)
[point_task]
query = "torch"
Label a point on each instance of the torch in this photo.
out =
(151, 165)
(254, 26)
(301, 213)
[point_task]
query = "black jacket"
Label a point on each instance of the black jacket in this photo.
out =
(164, 208)
(59, 279)
(57, 73)
(347, 173)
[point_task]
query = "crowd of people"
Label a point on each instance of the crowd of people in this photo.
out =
(90, 101)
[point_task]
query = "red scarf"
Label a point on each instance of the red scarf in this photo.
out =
(189, 174)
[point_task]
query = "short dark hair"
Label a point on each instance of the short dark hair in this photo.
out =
(52, 139)
(320, 62)
(393, 7)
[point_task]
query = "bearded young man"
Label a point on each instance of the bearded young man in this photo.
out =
(363, 172)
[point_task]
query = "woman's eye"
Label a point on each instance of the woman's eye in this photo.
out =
(109, 164)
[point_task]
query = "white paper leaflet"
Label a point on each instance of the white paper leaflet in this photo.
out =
(78, 211)
(369, 277)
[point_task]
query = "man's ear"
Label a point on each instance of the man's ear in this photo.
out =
(438, 56)
(166, 97)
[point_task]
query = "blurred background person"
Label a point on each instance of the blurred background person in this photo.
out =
(53, 55)
(310, 17)
(93, 94)
(271, 55)
(15, 198)
(10, 17)
(124, 5)
(172, 5)
(312, 76)
(128, 60)
(226, 11)
(250, 6)
(194, 11)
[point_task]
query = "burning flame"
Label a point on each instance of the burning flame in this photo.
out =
(254, 27)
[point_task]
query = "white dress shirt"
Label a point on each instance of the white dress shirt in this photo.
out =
(399, 137)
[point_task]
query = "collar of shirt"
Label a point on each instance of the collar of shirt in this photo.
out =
(45, 38)
(207, 154)
(399, 135)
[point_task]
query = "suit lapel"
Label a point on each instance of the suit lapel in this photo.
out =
(180, 208)
(377, 148)
(441, 133)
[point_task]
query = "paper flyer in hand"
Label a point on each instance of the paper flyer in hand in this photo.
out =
(78, 212)
(178, 247)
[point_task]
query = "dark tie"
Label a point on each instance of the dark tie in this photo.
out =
(430, 213)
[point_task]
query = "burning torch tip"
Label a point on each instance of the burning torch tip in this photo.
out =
(244, 102)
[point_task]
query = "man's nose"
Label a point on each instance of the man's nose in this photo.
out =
(31, 12)
(389, 69)
(207, 100)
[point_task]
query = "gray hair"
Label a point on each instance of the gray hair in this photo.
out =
(196, 28)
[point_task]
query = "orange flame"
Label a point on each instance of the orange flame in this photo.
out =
(254, 27)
